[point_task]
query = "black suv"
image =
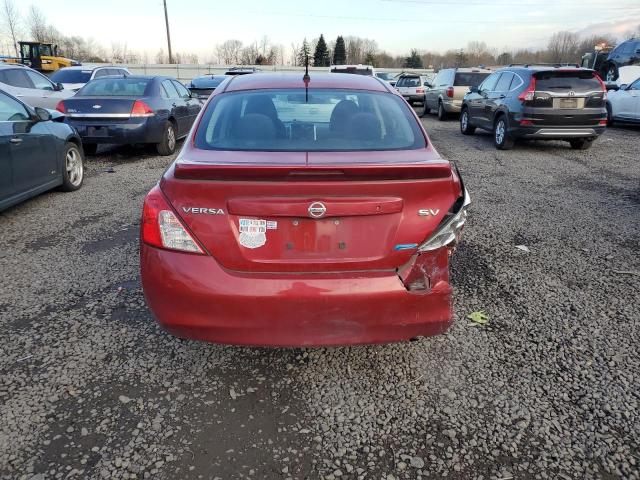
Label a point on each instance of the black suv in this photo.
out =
(627, 53)
(537, 102)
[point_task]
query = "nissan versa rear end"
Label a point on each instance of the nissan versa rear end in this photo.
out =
(303, 212)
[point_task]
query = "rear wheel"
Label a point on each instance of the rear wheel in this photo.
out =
(90, 148)
(609, 115)
(168, 144)
(442, 113)
(426, 110)
(465, 127)
(581, 144)
(501, 137)
(612, 73)
(73, 168)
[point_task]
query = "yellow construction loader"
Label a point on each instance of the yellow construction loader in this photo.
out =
(43, 57)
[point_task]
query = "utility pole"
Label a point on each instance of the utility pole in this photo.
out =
(166, 20)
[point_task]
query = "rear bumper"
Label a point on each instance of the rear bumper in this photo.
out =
(414, 98)
(556, 133)
(145, 130)
(191, 296)
(452, 106)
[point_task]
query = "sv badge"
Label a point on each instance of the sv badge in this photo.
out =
(428, 212)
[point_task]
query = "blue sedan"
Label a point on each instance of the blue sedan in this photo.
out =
(37, 152)
(132, 110)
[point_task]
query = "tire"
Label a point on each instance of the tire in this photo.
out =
(581, 144)
(442, 113)
(90, 148)
(426, 111)
(465, 127)
(501, 137)
(612, 73)
(168, 144)
(72, 168)
(609, 115)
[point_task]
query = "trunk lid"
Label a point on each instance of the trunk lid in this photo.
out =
(99, 107)
(299, 212)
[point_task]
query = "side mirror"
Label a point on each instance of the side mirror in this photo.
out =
(474, 90)
(58, 87)
(623, 86)
(612, 86)
(43, 114)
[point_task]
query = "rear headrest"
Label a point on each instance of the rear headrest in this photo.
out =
(255, 126)
(365, 126)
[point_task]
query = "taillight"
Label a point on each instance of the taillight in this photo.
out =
(602, 85)
(450, 92)
(526, 123)
(60, 107)
(529, 93)
(160, 227)
(419, 90)
(141, 109)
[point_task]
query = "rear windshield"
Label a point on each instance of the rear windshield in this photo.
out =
(206, 82)
(469, 79)
(385, 75)
(581, 81)
(115, 87)
(354, 70)
(71, 76)
(322, 120)
(408, 82)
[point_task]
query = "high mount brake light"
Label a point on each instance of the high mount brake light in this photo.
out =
(529, 93)
(161, 228)
(141, 109)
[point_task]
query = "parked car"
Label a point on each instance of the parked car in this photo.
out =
(31, 87)
(37, 152)
(74, 78)
(204, 85)
(389, 77)
(412, 87)
(283, 222)
(445, 93)
(132, 110)
(366, 70)
(537, 102)
(623, 103)
(626, 53)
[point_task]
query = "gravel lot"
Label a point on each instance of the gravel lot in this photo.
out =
(90, 387)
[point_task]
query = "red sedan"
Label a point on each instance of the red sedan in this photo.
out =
(301, 212)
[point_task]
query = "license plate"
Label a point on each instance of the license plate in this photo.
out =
(566, 103)
(97, 132)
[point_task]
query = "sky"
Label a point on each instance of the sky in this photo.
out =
(397, 25)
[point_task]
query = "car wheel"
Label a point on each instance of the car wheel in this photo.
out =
(72, 168)
(90, 148)
(612, 73)
(465, 127)
(581, 144)
(426, 111)
(442, 113)
(168, 144)
(501, 137)
(609, 115)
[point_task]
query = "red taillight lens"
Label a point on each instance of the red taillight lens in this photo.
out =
(602, 85)
(602, 122)
(141, 109)
(450, 92)
(419, 90)
(529, 93)
(526, 123)
(60, 107)
(161, 228)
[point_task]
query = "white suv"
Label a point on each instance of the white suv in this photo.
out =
(412, 87)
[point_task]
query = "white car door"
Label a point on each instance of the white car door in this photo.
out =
(634, 94)
(625, 103)
(45, 94)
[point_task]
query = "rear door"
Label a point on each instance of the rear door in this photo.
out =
(499, 93)
(193, 104)
(479, 106)
(631, 103)
(179, 108)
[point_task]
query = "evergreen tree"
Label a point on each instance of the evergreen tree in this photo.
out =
(340, 52)
(413, 60)
(461, 58)
(370, 59)
(305, 52)
(321, 55)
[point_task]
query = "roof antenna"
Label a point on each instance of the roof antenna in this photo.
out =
(306, 79)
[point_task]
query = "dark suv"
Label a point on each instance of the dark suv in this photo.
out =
(627, 53)
(537, 102)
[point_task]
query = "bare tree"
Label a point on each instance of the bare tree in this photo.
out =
(295, 54)
(563, 47)
(37, 24)
(229, 51)
(11, 21)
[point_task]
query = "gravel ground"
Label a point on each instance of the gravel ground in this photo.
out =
(90, 387)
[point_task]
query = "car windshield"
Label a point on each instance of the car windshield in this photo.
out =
(115, 87)
(206, 82)
(577, 80)
(469, 79)
(320, 120)
(71, 76)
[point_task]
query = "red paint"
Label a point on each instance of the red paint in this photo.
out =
(334, 280)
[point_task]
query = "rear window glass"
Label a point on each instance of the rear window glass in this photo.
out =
(115, 87)
(408, 82)
(322, 120)
(469, 79)
(577, 81)
(206, 82)
(71, 76)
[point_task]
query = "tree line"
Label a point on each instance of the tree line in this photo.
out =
(562, 46)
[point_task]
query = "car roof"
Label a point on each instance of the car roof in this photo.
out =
(346, 81)
(92, 67)
(6, 65)
(545, 68)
